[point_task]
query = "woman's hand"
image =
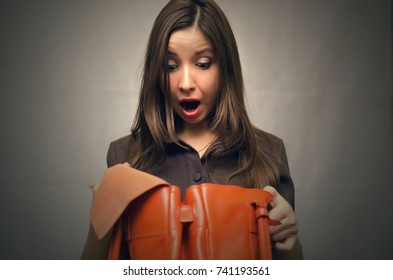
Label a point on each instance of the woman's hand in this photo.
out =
(285, 235)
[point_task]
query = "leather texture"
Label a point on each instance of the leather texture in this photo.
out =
(213, 222)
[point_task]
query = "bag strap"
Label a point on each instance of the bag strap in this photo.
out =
(262, 220)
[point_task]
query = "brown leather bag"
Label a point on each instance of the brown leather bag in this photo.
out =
(213, 222)
(230, 222)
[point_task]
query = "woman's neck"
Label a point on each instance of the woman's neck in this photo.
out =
(194, 130)
(197, 136)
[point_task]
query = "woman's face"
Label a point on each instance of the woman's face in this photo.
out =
(193, 75)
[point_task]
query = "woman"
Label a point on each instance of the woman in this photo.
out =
(191, 125)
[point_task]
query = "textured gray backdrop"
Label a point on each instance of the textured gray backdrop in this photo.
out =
(318, 74)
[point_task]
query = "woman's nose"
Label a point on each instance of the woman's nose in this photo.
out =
(186, 82)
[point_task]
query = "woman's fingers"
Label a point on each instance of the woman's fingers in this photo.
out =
(273, 192)
(284, 235)
(279, 233)
(287, 244)
(281, 209)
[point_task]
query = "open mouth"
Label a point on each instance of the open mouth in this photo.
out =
(190, 105)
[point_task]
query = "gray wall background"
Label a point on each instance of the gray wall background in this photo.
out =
(318, 74)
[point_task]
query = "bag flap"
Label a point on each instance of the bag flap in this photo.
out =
(120, 185)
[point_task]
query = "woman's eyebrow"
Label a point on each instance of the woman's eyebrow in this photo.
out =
(172, 53)
(208, 50)
(200, 52)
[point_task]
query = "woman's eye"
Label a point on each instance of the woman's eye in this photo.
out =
(204, 65)
(172, 66)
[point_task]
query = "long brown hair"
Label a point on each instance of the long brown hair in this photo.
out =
(155, 122)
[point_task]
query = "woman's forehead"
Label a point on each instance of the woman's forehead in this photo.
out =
(189, 39)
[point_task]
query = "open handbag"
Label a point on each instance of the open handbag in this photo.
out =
(150, 221)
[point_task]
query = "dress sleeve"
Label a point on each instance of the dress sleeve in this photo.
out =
(119, 150)
(287, 190)
(111, 158)
(285, 185)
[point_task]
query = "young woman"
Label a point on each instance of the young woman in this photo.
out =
(191, 125)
